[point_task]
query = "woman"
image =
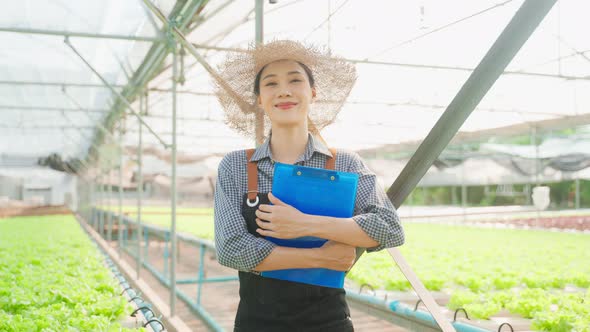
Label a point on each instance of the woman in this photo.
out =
(299, 90)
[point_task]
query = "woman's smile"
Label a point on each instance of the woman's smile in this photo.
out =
(286, 105)
(285, 94)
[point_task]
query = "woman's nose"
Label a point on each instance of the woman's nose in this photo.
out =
(284, 93)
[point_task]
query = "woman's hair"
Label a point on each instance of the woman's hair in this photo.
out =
(307, 71)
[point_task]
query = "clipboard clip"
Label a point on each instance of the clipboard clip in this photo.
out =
(316, 173)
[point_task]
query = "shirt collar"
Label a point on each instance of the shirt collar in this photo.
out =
(313, 145)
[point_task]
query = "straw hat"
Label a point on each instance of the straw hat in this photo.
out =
(334, 78)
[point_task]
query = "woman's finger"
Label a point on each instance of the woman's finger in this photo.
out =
(263, 215)
(265, 207)
(264, 224)
(264, 232)
(274, 200)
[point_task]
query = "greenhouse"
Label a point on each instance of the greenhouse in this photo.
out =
(462, 127)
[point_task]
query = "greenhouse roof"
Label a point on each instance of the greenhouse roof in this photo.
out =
(412, 58)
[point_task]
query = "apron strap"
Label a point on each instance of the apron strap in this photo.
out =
(253, 171)
(331, 162)
(252, 176)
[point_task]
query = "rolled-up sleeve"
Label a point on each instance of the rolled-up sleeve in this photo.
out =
(236, 248)
(374, 212)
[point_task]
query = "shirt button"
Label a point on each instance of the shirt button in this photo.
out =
(272, 161)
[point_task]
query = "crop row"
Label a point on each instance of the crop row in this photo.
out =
(52, 278)
(484, 270)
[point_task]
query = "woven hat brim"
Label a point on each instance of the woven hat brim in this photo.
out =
(334, 79)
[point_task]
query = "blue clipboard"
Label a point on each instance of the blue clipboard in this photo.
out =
(314, 191)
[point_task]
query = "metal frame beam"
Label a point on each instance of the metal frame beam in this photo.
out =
(206, 94)
(79, 34)
(50, 109)
(414, 65)
(516, 33)
(465, 69)
(99, 125)
(59, 84)
(121, 97)
(480, 135)
(45, 127)
(185, 12)
(173, 235)
(437, 107)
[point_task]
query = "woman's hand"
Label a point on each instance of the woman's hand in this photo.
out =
(336, 256)
(281, 220)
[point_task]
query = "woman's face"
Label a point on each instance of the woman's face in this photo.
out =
(285, 93)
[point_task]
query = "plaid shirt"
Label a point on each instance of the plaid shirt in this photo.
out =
(242, 251)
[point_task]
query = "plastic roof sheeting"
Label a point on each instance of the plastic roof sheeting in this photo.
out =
(420, 52)
(30, 115)
(400, 101)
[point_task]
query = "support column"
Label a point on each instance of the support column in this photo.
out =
(173, 239)
(463, 186)
(536, 177)
(110, 195)
(577, 202)
(120, 219)
(139, 230)
(91, 200)
(102, 219)
(259, 24)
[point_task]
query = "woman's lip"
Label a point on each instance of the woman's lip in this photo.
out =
(286, 105)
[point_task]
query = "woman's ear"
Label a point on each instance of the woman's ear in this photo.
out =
(313, 94)
(259, 101)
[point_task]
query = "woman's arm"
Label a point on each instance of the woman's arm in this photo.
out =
(240, 250)
(344, 230)
(285, 222)
(375, 224)
(374, 212)
(332, 255)
(236, 248)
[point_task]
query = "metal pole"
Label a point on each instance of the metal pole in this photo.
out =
(122, 98)
(143, 106)
(99, 227)
(58, 84)
(477, 85)
(49, 109)
(97, 199)
(120, 146)
(463, 186)
(89, 203)
(120, 219)
(577, 204)
(259, 24)
(534, 142)
(48, 128)
(110, 194)
(99, 125)
(92, 201)
(173, 189)
(522, 25)
(78, 34)
(536, 146)
(192, 50)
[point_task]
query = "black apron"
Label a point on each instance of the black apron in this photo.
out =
(268, 304)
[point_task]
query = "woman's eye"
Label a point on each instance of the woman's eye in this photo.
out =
(295, 80)
(270, 84)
